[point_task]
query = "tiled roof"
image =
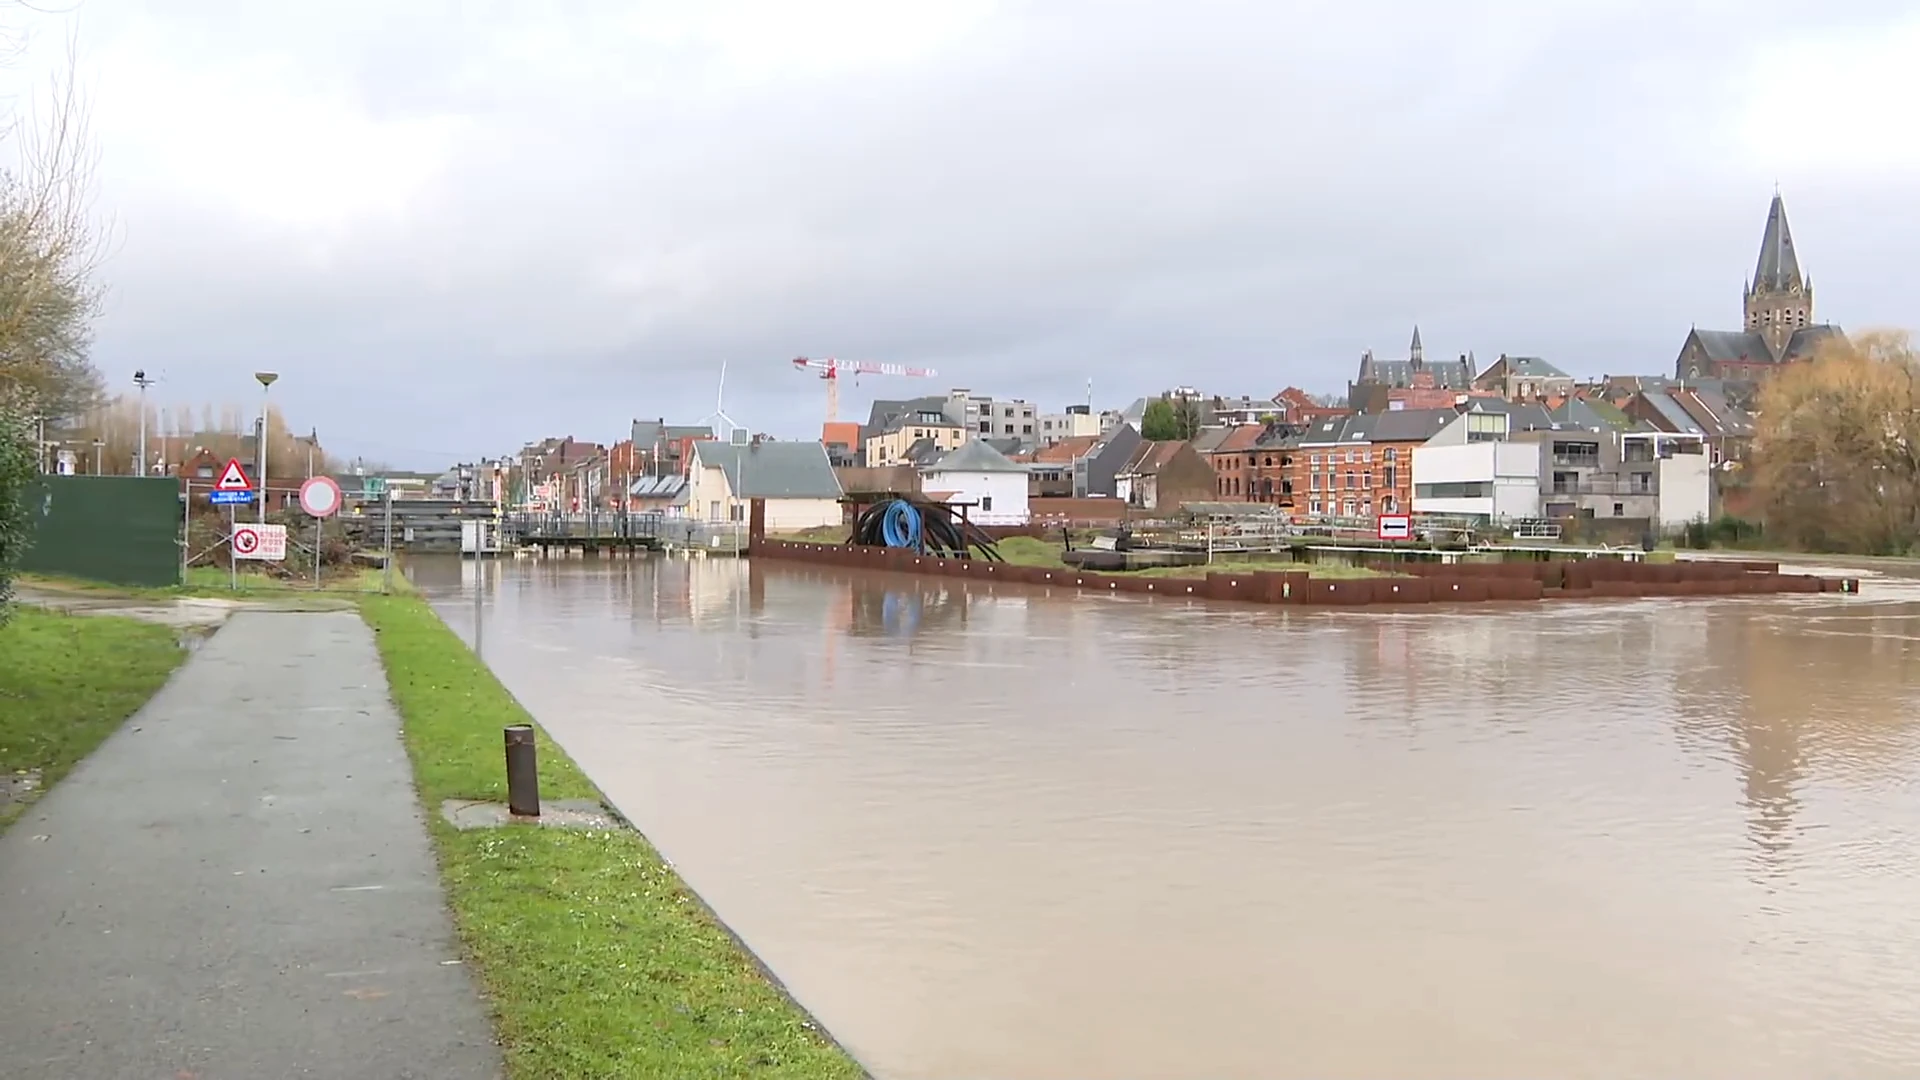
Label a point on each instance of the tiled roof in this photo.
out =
(773, 470)
(974, 456)
(1066, 451)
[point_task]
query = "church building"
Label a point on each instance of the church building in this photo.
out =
(1780, 326)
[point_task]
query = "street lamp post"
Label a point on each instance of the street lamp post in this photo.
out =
(140, 380)
(266, 379)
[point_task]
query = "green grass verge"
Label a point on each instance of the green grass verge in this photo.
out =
(1029, 551)
(69, 681)
(598, 961)
(210, 581)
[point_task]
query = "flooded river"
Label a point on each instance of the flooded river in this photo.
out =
(1034, 836)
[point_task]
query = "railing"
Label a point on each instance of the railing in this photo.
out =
(1603, 487)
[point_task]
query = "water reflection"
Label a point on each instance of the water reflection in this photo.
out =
(996, 831)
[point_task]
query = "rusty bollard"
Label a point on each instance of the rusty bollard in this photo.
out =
(523, 772)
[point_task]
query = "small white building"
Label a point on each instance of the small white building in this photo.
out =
(1494, 481)
(977, 473)
(795, 478)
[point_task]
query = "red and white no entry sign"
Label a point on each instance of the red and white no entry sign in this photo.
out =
(320, 497)
(259, 541)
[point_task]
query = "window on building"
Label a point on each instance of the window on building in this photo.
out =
(1392, 454)
(986, 502)
(1313, 481)
(1316, 461)
(1026, 429)
(1313, 506)
(1388, 505)
(1471, 489)
(1619, 510)
(986, 427)
(1390, 476)
(1349, 507)
(1366, 507)
(1351, 482)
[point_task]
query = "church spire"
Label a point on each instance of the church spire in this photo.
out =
(1413, 353)
(1779, 267)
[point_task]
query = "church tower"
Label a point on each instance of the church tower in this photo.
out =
(1778, 300)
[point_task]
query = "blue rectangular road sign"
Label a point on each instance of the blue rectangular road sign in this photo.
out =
(229, 498)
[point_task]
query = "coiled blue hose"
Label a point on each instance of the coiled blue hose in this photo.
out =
(900, 525)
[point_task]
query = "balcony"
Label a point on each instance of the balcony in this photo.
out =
(1605, 485)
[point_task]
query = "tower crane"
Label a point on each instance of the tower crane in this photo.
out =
(831, 369)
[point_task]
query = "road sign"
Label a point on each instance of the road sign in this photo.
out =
(320, 497)
(233, 478)
(1396, 527)
(230, 498)
(373, 487)
(256, 541)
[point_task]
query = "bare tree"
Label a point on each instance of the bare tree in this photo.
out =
(1837, 450)
(50, 254)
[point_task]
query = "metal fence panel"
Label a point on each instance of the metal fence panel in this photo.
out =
(119, 529)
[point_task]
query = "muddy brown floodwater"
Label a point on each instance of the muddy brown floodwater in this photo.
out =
(1037, 836)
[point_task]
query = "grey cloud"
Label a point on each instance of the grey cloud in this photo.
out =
(1240, 195)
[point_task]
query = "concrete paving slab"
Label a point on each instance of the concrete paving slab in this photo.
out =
(239, 884)
(554, 814)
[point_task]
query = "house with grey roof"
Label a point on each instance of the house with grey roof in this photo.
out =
(795, 478)
(990, 486)
(1778, 307)
(1523, 378)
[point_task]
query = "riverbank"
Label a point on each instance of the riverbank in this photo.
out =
(597, 960)
(66, 683)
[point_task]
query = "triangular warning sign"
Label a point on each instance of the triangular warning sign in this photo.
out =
(233, 478)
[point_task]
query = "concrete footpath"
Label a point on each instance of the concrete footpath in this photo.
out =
(239, 885)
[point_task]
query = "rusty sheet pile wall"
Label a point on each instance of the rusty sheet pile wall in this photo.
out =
(1411, 583)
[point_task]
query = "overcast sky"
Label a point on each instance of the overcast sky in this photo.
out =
(456, 226)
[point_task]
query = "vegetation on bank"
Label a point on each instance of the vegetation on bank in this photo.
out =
(1837, 448)
(598, 961)
(210, 582)
(1030, 551)
(69, 681)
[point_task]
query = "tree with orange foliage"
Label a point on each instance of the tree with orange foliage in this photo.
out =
(1837, 447)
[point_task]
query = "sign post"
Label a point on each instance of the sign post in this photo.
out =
(386, 562)
(230, 490)
(320, 498)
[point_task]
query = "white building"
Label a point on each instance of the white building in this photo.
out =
(1494, 481)
(987, 418)
(795, 478)
(1076, 421)
(976, 473)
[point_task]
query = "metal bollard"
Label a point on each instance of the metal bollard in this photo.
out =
(523, 772)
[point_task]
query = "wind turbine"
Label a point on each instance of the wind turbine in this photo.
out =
(720, 409)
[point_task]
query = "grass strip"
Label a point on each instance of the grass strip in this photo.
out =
(69, 681)
(598, 961)
(1031, 551)
(217, 583)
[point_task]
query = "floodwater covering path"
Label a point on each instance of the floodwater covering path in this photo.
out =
(1050, 837)
(238, 883)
